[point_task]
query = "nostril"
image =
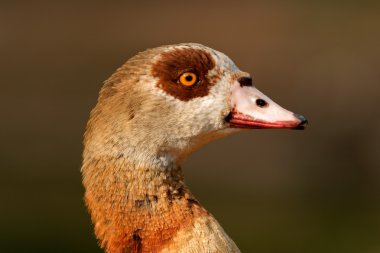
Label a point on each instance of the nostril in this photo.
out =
(261, 102)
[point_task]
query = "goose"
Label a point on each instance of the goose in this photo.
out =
(151, 114)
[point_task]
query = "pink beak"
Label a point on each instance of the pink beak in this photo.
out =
(252, 109)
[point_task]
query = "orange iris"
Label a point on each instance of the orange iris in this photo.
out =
(188, 79)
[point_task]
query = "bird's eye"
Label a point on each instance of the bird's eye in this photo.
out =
(188, 79)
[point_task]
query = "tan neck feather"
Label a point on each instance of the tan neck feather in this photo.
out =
(138, 209)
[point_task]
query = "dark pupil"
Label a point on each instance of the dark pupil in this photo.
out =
(261, 102)
(189, 78)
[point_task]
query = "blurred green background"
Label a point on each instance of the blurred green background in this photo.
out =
(272, 191)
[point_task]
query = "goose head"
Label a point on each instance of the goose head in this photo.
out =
(173, 99)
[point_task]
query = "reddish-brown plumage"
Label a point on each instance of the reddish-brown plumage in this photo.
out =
(175, 62)
(138, 221)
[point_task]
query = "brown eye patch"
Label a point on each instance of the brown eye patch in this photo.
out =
(172, 64)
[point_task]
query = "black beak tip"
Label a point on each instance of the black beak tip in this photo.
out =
(303, 120)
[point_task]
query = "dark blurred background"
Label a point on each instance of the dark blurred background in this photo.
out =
(273, 191)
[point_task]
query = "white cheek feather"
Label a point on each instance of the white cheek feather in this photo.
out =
(224, 62)
(201, 119)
